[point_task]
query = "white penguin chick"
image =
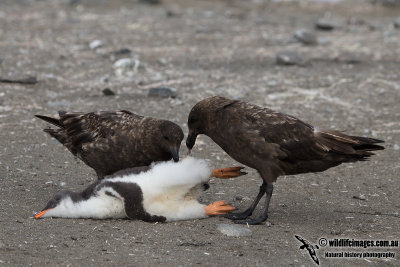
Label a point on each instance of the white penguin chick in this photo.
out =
(166, 191)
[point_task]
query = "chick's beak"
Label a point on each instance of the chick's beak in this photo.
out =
(175, 154)
(40, 214)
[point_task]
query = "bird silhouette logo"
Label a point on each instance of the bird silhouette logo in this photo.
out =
(311, 249)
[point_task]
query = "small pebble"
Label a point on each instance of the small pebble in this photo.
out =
(360, 197)
(108, 92)
(396, 147)
(95, 44)
(105, 79)
(238, 197)
(305, 36)
(163, 92)
(234, 230)
(349, 58)
(162, 61)
(268, 224)
(388, 3)
(74, 2)
(288, 58)
(122, 51)
(325, 24)
(153, 2)
(21, 80)
(126, 66)
(171, 13)
(125, 63)
(396, 23)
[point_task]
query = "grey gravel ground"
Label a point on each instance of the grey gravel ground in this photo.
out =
(349, 81)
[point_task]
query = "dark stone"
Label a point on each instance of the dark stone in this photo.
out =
(171, 14)
(288, 58)
(307, 37)
(325, 24)
(352, 60)
(238, 197)
(163, 92)
(191, 244)
(23, 80)
(153, 2)
(122, 51)
(108, 92)
(387, 2)
(349, 58)
(360, 197)
(396, 23)
(75, 2)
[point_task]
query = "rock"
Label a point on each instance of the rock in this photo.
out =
(176, 102)
(95, 44)
(305, 36)
(74, 2)
(387, 2)
(288, 58)
(20, 80)
(105, 79)
(325, 24)
(349, 58)
(153, 2)
(191, 244)
(126, 63)
(396, 23)
(234, 230)
(238, 197)
(108, 92)
(396, 147)
(162, 61)
(163, 92)
(360, 197)
(126, 66)
(122, 51)
(268, 224)
(172, 13)
(352, 60)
